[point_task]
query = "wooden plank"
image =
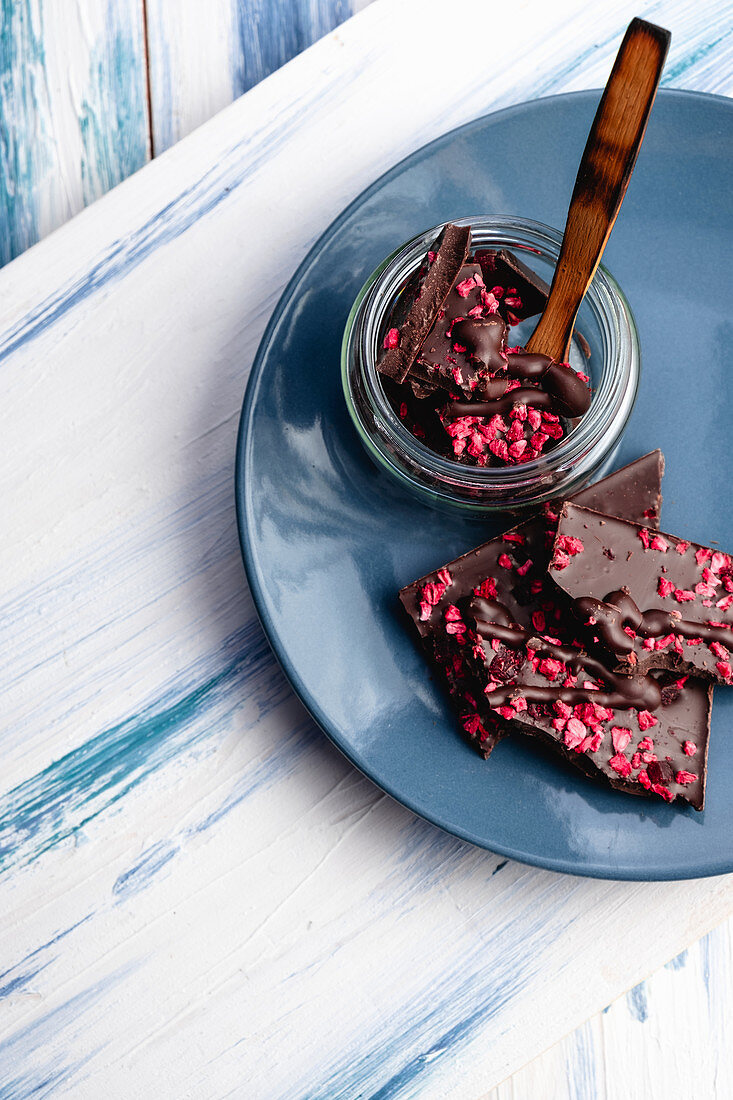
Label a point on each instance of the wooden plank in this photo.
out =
(202, 56)
(192, 50)
(200, 896)
(73, 110)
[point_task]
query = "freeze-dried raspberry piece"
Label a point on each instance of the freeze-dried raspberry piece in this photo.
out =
(620, 737)
(620, 764)
(550, 668)
(685, 777)
(683, 595)
(431, 594)
(487, 588)
(465, 287)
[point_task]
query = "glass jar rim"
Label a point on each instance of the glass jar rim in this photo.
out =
(612, 400)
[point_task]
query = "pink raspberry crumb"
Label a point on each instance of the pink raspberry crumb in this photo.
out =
(620, 764)
(684, 777)
(620, 737)
(683, 595)
(465, 287)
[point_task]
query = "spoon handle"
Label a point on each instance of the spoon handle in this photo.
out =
(605, 169)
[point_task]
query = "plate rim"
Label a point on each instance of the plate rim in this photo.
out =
(621, 872)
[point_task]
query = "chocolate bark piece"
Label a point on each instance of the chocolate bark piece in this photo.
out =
(643, 735)
(652, 600)
(466, 343)
(516, 563)
(451, 249)
(520, 291)
(521, 555)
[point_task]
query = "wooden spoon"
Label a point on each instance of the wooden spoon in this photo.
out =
(605, 170)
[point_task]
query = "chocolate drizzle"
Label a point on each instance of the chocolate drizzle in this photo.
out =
(524, 395)
(558, 390)
(484, 338)
(617, 610)
(492, 620)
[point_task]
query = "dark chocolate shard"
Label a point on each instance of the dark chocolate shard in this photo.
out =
(451, 249)
(509, 278)
(613, 727)
(467, 341)
(517, 563)
(652, 600)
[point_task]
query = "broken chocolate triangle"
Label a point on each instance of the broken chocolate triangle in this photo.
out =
(517, 562)
(451, 249)
(652, 600)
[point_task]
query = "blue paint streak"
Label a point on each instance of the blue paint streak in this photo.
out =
(581, 1075)
(678, 962)
(150, 864)
(706, 949)
(24, 153)
(271, 32)
(278, 765)
(494, 980)
(75, 789)
(113, 120)
(675, 69)
(20, 981)
(637, 1004)
(26, 1070)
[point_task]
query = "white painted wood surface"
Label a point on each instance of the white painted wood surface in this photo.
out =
(200, 896)
(72, 108)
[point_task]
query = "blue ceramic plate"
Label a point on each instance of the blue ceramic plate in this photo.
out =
(328, 540)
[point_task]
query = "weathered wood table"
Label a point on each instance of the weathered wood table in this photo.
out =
(199, 896)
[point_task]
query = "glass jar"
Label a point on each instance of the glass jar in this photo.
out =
(585, 453)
